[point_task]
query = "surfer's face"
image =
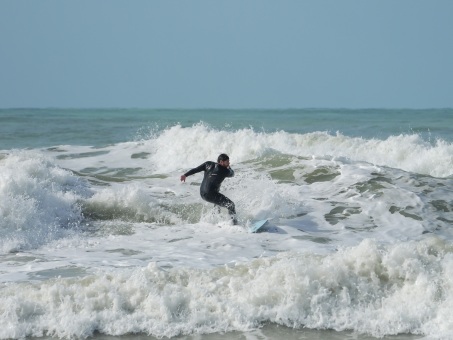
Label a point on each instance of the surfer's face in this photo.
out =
(225, 163)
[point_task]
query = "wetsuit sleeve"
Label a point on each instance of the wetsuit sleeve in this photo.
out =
(231, 173)
(199, 168)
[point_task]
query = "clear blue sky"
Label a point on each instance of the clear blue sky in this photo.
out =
(226, 54)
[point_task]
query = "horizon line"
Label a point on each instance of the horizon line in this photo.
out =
(222, 108)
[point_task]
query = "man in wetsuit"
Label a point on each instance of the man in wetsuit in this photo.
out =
(214, 174)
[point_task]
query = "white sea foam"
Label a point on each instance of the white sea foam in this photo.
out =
(379, 290)
(177, 148)
(128, 201)
(38, 199)
(177, 145)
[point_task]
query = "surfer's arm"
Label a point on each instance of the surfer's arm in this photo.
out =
(231, 174)
(200, 168)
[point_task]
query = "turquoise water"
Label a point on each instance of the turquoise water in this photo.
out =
(31, 128)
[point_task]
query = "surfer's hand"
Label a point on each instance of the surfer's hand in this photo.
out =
(183, 178)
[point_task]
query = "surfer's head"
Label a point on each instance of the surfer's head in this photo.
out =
(223, 160)
(223, 157)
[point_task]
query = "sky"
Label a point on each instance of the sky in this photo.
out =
(226, 54)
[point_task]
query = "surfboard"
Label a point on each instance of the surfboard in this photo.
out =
(256, 226)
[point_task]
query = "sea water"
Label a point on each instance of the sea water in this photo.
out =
(98, 236)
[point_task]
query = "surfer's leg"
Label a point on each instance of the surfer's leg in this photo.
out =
(223, 201)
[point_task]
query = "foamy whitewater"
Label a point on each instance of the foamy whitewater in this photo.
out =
(98, 236)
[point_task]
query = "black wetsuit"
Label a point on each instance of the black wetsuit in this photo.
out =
(214, 174)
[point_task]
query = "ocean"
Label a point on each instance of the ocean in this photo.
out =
(99, 238)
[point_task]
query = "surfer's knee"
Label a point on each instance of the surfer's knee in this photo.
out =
(231, 208)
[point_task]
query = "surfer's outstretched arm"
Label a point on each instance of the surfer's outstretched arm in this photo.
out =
(199, 168)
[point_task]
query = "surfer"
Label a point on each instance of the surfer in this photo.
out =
(214, 174)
